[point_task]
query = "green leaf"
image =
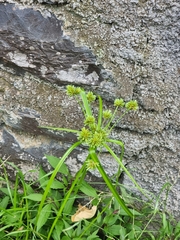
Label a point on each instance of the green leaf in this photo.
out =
(4, 202)
(55, 185)
(108, 183)
(54, 161)
(44, 215)
(60, 129)
(58, 230)
(34, 197)
(6, 191)
(66, 238)
(69, 204)
(42, 177)
(94, 236)
(87, 189)
(86, 103)
(177, 228)
(114, 229)
(12, 218)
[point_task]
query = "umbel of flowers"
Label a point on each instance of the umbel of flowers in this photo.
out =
(96, 131)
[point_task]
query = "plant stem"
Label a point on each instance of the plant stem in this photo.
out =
(53, 176)
(124, 168)
(100, 113)
(114, 113)
(117, 121)
(79, 175)
(108, 182)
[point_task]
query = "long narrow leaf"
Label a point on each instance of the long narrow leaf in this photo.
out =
(125, 169)
(109, 184)
(37, 197)
(86, 103)
(60, 129)
(87, 189)
(100, 112)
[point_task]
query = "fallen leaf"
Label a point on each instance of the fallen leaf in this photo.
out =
(83, 213)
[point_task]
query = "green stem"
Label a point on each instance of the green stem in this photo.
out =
(124, 168)
(80, 104)
(121, 144)
(108, 183)
(61, 129)
(117, 121)
(100, 113)
(108, 124)
(80, 175)
(53, 176)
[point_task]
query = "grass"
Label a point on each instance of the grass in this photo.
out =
(19, 206)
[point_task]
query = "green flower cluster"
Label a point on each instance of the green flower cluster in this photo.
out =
(132, 105)
(95, 133)
(72, 90)
(93, 136)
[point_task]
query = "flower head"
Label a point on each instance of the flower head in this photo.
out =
(90, 97)
(119, 102)
(132, 105)
(90, 120)
(97, 139)
(72, 90)
(107, 114)
(91, 164)
(84, 134)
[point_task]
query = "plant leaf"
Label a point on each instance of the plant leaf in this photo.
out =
(87, 189)
(34, 197)
(54, 161)
(44, 215)
(4, 202)
(55, 185)
(86, 104)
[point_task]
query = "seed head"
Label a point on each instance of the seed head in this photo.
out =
(90, 120)
(84, 134)
(119, 102)
(132, 105)
(107, 114)
(72, 90)
(90, 97)
(91, 164)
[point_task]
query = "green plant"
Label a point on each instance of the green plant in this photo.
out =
(19, 205)
(95, 134)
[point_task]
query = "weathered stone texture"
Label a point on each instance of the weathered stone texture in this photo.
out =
(117, 48)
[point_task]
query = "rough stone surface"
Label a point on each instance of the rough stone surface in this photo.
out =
(117, 48)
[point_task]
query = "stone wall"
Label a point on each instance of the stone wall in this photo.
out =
(116, 48)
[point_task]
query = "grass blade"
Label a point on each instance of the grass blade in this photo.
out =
(109, 184)
(60, 129)
(86, 103)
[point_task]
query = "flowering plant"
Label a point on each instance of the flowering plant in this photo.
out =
(96, 135)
